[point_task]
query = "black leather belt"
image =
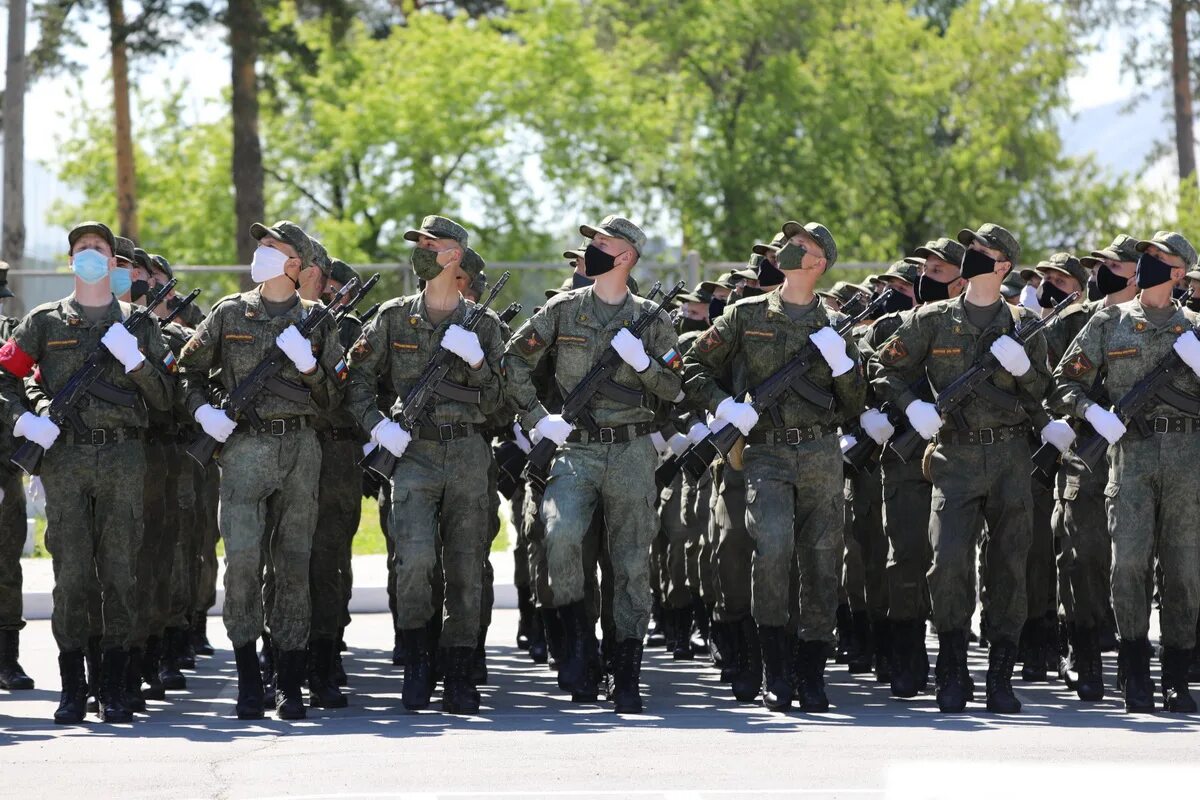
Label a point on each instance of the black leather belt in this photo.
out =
(340, 434)
(984, 436)
(98, 437)
(615, 435)
(159, 436)
(445, 433)
(790, 436)
(1173, 424)
(275, 427)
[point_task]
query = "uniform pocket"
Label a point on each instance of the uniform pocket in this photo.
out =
(1070, 491)
(1112, 489)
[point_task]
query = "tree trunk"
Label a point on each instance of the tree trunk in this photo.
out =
(126, 187)
(1185, 139)
(12, 246)
(245, 22)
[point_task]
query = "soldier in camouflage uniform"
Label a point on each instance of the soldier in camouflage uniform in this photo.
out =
(1119, 345)
(94, 523)
(972, 461)
(268, 473)
(612, 468)
(794, 501)
(12, 538)
(439, 485)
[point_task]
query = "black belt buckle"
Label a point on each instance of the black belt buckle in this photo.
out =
(99, 437)
(446, 432)
(1161, 425)
(792, 436)
(990, 437)
(608, 435)
(278, 427)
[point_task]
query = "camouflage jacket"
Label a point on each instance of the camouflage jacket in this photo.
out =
(236, 336)
(570, 328)
(57, 339)
(751, 341)
(1063, 329)
(350, 328)
(396, 345)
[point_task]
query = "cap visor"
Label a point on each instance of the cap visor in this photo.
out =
(258, 231)
(791, 228)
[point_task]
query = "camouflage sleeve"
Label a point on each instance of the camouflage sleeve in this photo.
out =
(199, 357)
(662, 378)
(18, 357)
(487, 377)
(326, 381)
(897, 364)
(1079, 368)
(522, 354)
(1036, 381)
(708, 358)
(850, 388)
(369, 363)
(155, 378)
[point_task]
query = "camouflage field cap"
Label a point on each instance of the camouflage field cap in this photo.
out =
(819, 233)
(744, 274)
(342, 272)
(577, 253)
(620, 228)
(436, 227)
(1012, 286)
(724, 281)
(289, 233)
(773, 246)
(1028, 273)
(142, 259)
(4, 290)
(1194, 275)
(995, 237)
(320, 257)
(904, 270)
(1123, 248)
(472, 263)
(1172, 242)
(1067, 264)
(124, 249)
(162, 265)
(843, 291)
(945, 248)
(479, 284)
(90, 226)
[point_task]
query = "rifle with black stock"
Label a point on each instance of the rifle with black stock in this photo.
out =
(349, 306)
(370, 312)
(179, 308)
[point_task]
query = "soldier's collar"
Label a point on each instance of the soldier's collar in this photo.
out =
(418, 318)
(775, 302)
(586, 313)
(1002, 320)
(1176, 323)
(256, 309)
(73, 311)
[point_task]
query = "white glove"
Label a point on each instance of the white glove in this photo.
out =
(698, 433)
(368, 448)
(717, 424)
(215, 422)
(833, 350)
(1059, 433)
(678, 444)
(554, 428)
(631, 350)
(40, 430)
(464, 344)
(877, 425)
(660, 444)
(297, 348)
(741, 415)
(124, 347)
(522, 439)
(847, 441)
(390, 436)
(1106, 423)
(1011, 355)
(1188, 348)
(924, 418)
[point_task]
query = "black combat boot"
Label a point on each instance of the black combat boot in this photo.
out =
(459, 695)
(72, 703)
(172, 678)
(93, 673)
(197, 637)
(1068, 655)
(881, 638)
(268, 663)
(1176, 697)
(398, 658)
(289, 678)
(337, 670)
(479, 670)
(701, 627)
(656, 635)
(322, 691)
(1134, 657)
(186, 659)
(811, 691)
(133, 680)
(553, 627)
(845, 634)
(627, 671)
(723, 639)
(525, 618)
(904, 681)
(538, 650)
(251, 699)
(681, 624)
(151, 661)
(860, 653)
(1194, 667)
(1033, 640)
(113, 668)
(1089, 665)
(1002, 657)
(953, 678)
(747, 678)
(577, 670)
(12, 677)
(921, 656)
(776, 661)
(418, 669)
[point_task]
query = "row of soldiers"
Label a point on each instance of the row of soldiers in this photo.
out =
(600, 389)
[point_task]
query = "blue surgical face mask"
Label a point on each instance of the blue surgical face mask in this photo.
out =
(120, 280)
(90, 265)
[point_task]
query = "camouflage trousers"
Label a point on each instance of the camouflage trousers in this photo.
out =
(866, 546)
(439, 506)
(619, 480)
(973, 485)
(734, 548)
(12, 540)
(208, 494)
(93, 532)
(701, 546)
(539, 571)
(1085, 549)
(794, 514)
(521, 576)
(491, 531)
(1041, 583)
(906, 498)
(186, 563)
(1152, 511)
(160, 533)
(339, 506)
(268, 508)
(679, 538)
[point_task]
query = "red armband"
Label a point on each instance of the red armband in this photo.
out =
(14, 360)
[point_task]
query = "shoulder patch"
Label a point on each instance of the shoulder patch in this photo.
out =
(710, 341)
(531, 341)
(893, 351)
(192, 345)
(361, 349)
(1077, 367)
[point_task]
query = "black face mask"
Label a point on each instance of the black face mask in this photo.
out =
(1049, 295)
(1109, 282)
(768, 273)
(976, 262)
(715, 308)
(139, 289)
(929, 290)
(687, 324)
(897, 302)
(1093, 290)
(596, 261)
(1151, 272)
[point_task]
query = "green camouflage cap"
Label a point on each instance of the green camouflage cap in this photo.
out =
(1013, 285)
(773, 246)
(818, 232)
(478, 284)
(141, 258)
(91, 226)
(289, 233)
(1067, 264)
(4, 290)
(320, 257)
(723, 281)
(436, 227)
(995, 237)
(124, 249)
(843, 291)
(577, 253)
(342, 272)
(618, 227)
(945, 248)
(745, 274)
(1175, 243)
(905, 270)
(162, 265)
(1123, 248)
(472, 263)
